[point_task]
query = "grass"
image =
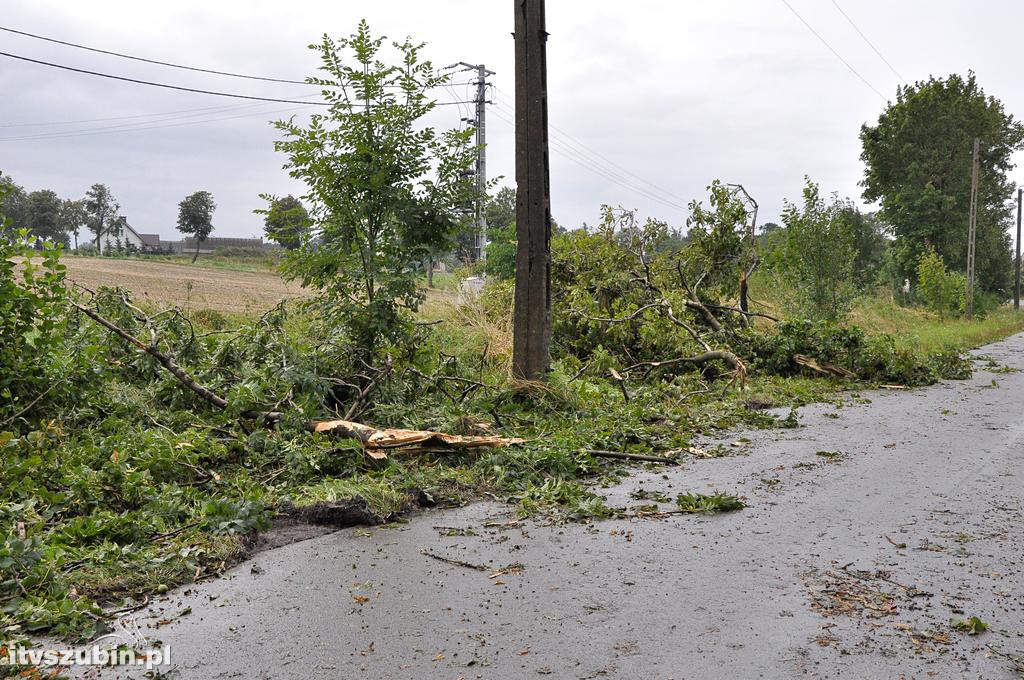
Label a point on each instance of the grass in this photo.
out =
(172, 491)
(926, 331)
(266, 262)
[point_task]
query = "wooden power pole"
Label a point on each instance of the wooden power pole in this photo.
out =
(531, 337)
(1016, 284)
(972, 229)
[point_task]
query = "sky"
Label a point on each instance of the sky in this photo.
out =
(649, 101)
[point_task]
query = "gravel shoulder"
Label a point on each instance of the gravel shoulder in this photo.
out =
(842, 566)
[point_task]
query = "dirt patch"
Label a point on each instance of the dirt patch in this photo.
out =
(188, 287)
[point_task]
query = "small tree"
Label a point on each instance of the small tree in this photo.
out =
(384, 187)
(941, 290)
(817, 254)
(195, 217)
(101, 209)
(286, 221)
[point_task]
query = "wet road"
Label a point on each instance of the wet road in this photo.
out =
(843, 566)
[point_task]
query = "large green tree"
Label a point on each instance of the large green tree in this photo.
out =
(73, 216)
(918, 165)
(42, 216)
(195, 217)
(12, 201)
(286, 221)
(101, 208)
(384, 187)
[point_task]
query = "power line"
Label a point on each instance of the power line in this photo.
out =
(211, 109)
(179, 87)
(580, 156)
(831, 49)
(567, 152)
(153, 61)
(870, 44)
(569, 140)
(138, 127)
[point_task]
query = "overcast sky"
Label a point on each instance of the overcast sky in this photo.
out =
(669, 96)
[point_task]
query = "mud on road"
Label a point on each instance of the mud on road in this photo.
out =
(845, 565)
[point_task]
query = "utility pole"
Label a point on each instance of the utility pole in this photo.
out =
(480, 124)
(1016, 285)
(531, 336)
(972, 229)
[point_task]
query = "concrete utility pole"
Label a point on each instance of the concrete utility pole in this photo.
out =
(972, 229)
(480, 124)
(531, 337)
(1016, 285)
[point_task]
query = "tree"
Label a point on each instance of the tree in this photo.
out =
(101, 210)
(12, 202)
(42, 216)
(816, 254)
(195, 217)
(286, 221)
(73, 216)
(383, 186)
(501, 234)
(918, 165)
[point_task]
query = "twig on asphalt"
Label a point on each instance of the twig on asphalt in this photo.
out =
(458, 563)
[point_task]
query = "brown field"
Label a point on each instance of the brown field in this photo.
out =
(164, 283)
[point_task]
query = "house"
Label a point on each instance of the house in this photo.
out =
(124, 234)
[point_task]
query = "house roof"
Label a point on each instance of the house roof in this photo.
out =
(147, 239)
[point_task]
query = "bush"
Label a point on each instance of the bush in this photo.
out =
(32, 310)
(942, 291)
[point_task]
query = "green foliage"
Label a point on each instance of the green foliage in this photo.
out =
(43, 217)
(719, 240)
(195, 217)
(817, 255)
(101, 211)
(286, 221)
(501, 252)
(877, 358)
(972, 626)
(918, 165)
(500, 212)
(941, 290)
(383, 186)
(33, 313)
(709, 504)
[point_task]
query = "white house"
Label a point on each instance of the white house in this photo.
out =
(129, 238)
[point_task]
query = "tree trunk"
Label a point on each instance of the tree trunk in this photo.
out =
(196, 256)
(430, 273)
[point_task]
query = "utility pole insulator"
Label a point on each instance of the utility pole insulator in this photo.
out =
(531, 337)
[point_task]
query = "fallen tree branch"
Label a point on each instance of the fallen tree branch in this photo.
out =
(457, 563)
(642, 457)
(823, 367)
(374, 441)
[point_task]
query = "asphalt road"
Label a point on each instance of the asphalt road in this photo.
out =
(849, 566)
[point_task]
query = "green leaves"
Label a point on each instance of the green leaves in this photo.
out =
(972, 626)
(917, 164)
(711, 504)
(815, 254)
(384, 187)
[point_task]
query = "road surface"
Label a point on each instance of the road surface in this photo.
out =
(841, 566)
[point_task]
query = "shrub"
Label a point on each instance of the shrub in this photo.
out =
(939, 289)
(32, 309)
